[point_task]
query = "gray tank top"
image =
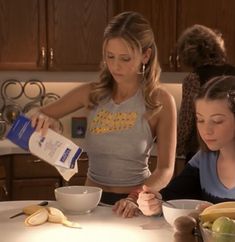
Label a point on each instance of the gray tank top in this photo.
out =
(118, 142)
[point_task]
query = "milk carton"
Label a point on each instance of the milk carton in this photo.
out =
(52, 147)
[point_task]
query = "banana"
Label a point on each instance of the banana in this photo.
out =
(40, 215)
(31, 209)
(220, 205)
(37, 218)
(214, 213)
(71, 224)
(55, 215)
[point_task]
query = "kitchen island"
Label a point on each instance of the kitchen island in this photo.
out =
(101, 225)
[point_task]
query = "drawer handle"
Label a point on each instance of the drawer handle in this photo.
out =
(5, 189)
(37, 160)
(83, 159)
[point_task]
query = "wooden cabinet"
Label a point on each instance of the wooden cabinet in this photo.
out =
(23, 35)
(152, 163)
(32, 178)
(170, 17)
(26, 177)
(57, 35)
(4, 181)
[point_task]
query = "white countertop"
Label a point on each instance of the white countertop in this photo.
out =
(7, 148)
(101, 225)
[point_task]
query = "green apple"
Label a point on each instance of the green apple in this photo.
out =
(224, 225)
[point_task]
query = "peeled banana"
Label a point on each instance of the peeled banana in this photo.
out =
(40, 215)
(215, 211)
(31, 209)
(37, 218)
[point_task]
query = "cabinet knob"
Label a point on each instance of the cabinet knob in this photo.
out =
(4, 190)
(43, 56)
(51, 57)
(178, 61)
(171, 64)
(36, 160)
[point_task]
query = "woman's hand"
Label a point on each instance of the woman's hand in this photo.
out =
(126, 208)
(42, 122)
(148, 204)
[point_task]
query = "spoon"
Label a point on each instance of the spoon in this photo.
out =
(166, 202)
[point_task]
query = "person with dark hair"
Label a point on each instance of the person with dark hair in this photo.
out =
(127, 112)
(210, 174)
(202, 52)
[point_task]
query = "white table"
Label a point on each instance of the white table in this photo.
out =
(102, 225)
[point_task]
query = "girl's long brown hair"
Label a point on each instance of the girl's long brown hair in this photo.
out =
(218, 88)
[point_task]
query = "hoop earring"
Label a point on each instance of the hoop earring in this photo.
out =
(142, 72)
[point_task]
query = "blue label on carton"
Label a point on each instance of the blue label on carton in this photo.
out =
(20, 132)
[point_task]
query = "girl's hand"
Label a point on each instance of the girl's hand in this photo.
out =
(147, 202)
(126, 208)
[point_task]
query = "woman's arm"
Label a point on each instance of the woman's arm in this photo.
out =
(70, 102)
(164, 124)
(46, 116)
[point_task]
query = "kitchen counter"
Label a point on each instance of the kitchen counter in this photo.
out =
(8, 148)
(101, 225)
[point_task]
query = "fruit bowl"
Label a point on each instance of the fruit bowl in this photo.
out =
(210, 236)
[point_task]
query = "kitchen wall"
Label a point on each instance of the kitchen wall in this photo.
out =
(61, 82)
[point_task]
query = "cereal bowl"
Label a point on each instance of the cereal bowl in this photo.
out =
(182, 207)
(78, 199)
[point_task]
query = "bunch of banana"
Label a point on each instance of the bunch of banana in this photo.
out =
(211, 213)
(39, 215)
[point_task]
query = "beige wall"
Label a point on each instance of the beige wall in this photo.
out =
(61, 83)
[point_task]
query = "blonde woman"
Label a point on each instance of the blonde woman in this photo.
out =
(128, 111)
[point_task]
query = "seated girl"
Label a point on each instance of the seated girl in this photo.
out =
(210, 174)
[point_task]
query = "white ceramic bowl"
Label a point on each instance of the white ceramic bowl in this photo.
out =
(78, 199)
(183, 207)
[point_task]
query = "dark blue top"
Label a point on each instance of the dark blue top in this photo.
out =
(199, 180)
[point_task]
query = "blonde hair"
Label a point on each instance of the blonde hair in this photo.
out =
(199, 45)
(137, 32)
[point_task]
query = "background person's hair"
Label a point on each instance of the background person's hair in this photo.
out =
(138, 34)
(199, 45)
(218, 88)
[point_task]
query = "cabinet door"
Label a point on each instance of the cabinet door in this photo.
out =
(75, 33)
(5, 175)
(162, 16)
(34, 189)
(22, 38)
(217, 15)
(3, 190)
(152, 163)
(29, 166)
(164, 26)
